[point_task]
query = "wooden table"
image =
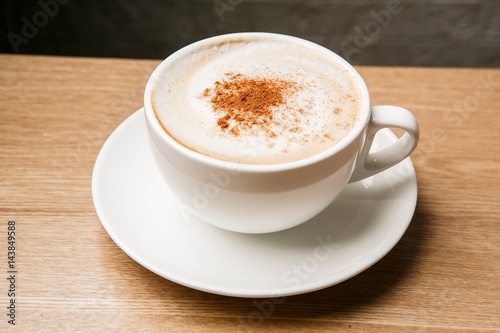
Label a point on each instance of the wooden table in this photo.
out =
(55, 114)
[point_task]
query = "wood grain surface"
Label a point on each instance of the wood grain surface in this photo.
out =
(55, 114)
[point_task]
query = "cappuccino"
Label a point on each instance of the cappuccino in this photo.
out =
(256, 100)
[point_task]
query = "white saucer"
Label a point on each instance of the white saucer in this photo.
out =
(142, 217)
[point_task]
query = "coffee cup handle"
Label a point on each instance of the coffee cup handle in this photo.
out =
(384, 116)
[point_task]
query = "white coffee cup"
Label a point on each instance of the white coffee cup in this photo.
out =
(252, 198)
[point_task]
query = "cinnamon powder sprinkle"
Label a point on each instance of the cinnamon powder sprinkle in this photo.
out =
(245, 103)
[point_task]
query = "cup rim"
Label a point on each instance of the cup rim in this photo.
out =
(155, 123)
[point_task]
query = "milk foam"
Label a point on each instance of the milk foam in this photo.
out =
(315, 117)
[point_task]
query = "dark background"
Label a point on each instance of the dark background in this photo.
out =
(453, 33)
